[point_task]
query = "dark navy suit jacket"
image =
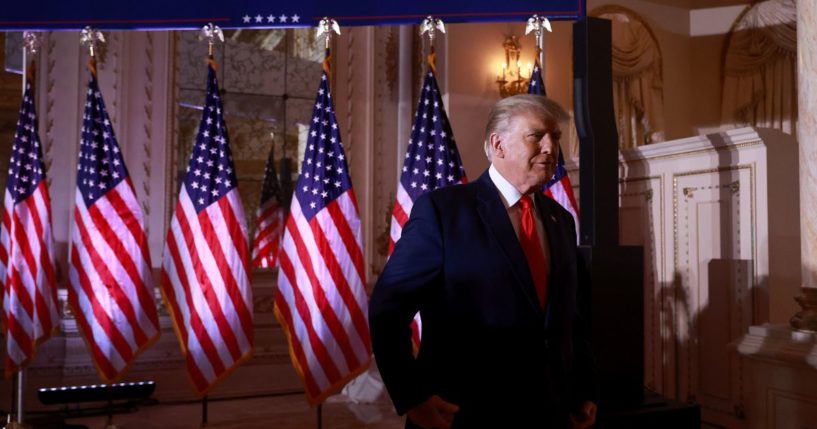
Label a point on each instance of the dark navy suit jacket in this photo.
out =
(486, 344)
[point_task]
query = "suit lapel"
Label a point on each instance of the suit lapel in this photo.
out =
(495, 217)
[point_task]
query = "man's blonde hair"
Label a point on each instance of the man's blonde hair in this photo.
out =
(506, 108)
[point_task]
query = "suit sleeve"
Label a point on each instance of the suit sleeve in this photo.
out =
(412, 272)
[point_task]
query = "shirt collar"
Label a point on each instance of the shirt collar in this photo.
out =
(510, 195)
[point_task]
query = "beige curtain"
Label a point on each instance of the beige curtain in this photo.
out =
(760, 68)
(637, 80)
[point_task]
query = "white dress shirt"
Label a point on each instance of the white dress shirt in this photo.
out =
(510, 197)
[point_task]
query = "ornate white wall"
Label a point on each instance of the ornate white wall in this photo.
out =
(718, 218)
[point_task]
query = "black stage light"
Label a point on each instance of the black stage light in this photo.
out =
(138, 390)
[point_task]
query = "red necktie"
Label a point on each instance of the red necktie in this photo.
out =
(533, 249)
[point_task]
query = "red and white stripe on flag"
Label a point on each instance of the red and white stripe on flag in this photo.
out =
(29, 288)
(5, 240)
(110, 287)
(321, 299)
(29, 313)
(206, 283)
(205, 273)
(562, 192)
(399, 215)
(268, 232)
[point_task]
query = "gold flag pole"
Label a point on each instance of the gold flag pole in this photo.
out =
(211, 33)
(429, 25)
(326, 27)
(14, 420)
(90, 37)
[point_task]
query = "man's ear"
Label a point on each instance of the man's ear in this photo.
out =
(497, 146)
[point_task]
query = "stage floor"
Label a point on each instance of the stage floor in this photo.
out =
(281, 412)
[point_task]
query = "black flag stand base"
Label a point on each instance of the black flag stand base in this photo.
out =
(11, 423)
(320, 416)
(15, 425)
(12, 419)
(109, 424)
(204, 411)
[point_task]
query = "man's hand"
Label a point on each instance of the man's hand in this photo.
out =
(433, 413)
(585, 418)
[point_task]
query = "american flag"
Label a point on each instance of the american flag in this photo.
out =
(26, 246)
(270, 218)
(110, 286)
(432, 161)
(321, 300)
(206, 272)
(558, 187)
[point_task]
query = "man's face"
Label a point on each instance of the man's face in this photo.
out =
(527, 150)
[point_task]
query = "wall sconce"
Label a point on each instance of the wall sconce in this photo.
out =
(512, 79)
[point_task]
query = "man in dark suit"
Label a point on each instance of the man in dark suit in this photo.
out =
(491, 267)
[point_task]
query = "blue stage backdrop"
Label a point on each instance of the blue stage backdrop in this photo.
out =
(18, 15)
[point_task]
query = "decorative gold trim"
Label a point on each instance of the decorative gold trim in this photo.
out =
(657, 268)
(751, 167)
(391, 60)
(350, 85)
(172, 149)
(116, 40)
(49, 103)
(385, 69)
(734, 188)
(666, 333)
(147, 128)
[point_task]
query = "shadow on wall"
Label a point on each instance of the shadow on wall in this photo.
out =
(711, 293)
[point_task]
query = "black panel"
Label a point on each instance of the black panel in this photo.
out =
(596, 127)
(612, 283)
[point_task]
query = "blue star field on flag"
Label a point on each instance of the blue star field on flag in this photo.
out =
(432, 160)
(100, 167)
(210, 173)
(26, 168)
(324, 172)
(536, 85)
